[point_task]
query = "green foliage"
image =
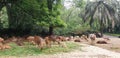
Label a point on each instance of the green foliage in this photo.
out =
(73, 20)
(3, 18)
(22, 14)
(26, 14)
(79, 3)
(39, 15)
(107, 14)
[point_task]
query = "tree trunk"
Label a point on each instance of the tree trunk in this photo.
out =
(101, 31)
(9, 15)
(50, 6)
(51, 30)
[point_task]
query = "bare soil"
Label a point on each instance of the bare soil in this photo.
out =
(113, 44)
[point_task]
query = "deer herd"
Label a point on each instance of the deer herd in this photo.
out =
(48, 41)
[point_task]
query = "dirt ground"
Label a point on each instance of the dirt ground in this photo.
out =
(113, 43)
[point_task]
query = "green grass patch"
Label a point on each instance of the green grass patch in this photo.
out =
(32, 50)
(114, 48)
(112, 34)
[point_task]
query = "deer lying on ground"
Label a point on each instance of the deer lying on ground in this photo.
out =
(71, 38)
(1, 40)
(37, 40)
(101, 42)
(31, 39)
(17, 40)
(52, 38)
(3, 45)
(84, 37)
(62, 38)
(77, 40)
(104, 40)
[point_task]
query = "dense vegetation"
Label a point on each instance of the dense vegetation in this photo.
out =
(46, 17)
(32, 17)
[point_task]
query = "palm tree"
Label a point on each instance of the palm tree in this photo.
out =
(103, 11)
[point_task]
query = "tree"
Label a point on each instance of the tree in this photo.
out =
(3, 18)
(103, 11)
(117, 27)
(54, 14)
(24, 15)
(71, 16)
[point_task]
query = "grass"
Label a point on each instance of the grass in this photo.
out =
(114, 48)
(32, 50)
(112, 34)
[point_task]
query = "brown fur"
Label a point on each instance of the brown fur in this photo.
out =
(62, 38)
(52, 38)
(6, 46)
(18, 40)
(31, 39)
(101, 42)
(37, 40)
(48, 41)
(77, 40)
(3, 45)
(1, 39)
(84, 37)
(70, 38)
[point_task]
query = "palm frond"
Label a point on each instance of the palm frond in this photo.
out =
(1, 6)
(104, 11)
